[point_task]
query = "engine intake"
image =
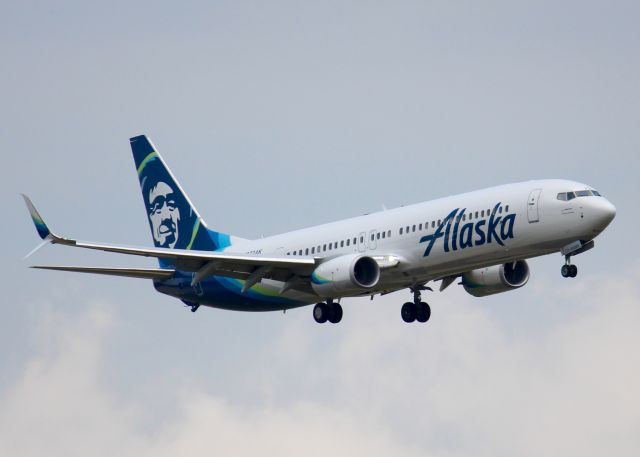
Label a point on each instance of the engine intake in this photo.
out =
(496, 279)
(345, 275)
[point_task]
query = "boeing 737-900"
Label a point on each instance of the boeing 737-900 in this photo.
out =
(482, 237)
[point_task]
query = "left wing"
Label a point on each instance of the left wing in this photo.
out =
(249, 267)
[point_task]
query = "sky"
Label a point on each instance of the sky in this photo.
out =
(280, 115)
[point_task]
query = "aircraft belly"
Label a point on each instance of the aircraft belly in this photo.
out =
(226, 293)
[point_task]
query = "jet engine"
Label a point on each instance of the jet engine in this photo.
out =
(496, 279)
(345, 275)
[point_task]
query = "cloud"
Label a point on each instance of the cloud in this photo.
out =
(462, 385)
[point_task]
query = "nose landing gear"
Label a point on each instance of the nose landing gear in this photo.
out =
(568, 270)
(416, 310)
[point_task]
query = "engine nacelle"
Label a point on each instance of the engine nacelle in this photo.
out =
(345, 275)
(496, 279)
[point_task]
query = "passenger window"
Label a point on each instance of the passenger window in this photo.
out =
(414, 228)
(378, 235)
(354, 240)
(506, 209)
(400, 230)
(362, 239)
(348, 241)
(335, 245)
(389, 234)
(439, 221)
(420, 226)
(300, 252)
(373, 237)
(342, 243)
(313, 250)
(407, 229)
(433, 224)
(383, 234)
(482, 213)
(500, 210)
(324, 248)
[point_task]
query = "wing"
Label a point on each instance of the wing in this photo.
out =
(249, 267)
(146, 273)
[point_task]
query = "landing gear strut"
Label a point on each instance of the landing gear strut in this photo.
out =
(568, 270)
(416, 310)
(328, 311)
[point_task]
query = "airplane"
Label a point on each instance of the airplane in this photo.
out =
(482, 237)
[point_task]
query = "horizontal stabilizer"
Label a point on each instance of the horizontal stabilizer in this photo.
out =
(144, 273)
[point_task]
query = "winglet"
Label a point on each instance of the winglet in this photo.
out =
(41, 227)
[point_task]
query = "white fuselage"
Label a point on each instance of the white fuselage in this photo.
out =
(529, 221)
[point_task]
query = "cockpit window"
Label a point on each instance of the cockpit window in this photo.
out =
(566, 196)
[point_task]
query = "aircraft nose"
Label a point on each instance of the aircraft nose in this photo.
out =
(605, 212)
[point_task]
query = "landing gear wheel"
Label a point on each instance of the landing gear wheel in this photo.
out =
(321, 313)
(573, 271)
(565, 271)
(423, 312)
(408, 312)
(335, 313)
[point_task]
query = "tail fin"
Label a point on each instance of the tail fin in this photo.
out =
(175, 223)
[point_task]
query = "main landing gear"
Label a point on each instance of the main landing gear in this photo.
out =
(568, 270)
(418, 310)
(328, 311)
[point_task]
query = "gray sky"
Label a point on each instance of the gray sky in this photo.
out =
(280, 115)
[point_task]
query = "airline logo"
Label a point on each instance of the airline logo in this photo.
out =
(455, 236)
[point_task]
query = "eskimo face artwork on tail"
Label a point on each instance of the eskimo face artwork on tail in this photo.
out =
(170, 217)
(163, 214)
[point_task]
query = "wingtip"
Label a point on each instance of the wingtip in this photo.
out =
(41, 226)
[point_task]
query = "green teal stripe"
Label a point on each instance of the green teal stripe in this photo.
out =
(196, 226)
(152, 155)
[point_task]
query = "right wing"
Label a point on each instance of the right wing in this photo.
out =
(145, 273)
